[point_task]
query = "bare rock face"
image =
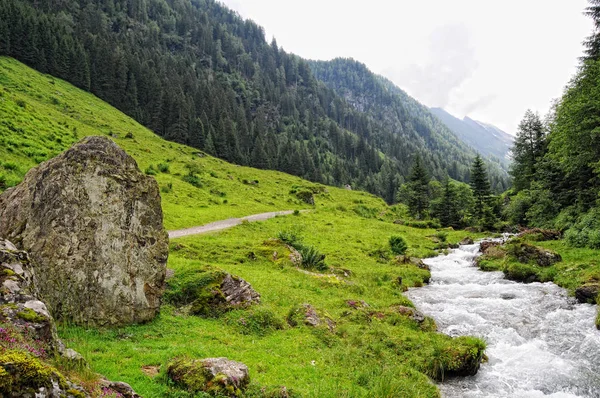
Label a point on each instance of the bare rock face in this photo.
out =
(92, 224)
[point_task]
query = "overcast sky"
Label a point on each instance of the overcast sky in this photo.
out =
(487, 59)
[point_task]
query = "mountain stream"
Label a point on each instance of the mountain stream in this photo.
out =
(540, 342)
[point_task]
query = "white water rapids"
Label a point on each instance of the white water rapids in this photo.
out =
(540, 342)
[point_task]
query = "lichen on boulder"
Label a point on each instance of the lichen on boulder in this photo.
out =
(92, 224)
(217, 376)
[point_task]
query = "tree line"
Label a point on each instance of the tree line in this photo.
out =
(454, 204)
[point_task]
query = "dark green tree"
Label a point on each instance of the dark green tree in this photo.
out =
(418, 190)
(446, 208)
(528, 150)
(480, 185)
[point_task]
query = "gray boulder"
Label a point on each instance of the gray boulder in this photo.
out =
(92, 224)
(219, 376)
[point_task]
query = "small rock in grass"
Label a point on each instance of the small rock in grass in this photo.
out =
(218, 376)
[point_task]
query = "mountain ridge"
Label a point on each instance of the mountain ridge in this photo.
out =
(485, 138)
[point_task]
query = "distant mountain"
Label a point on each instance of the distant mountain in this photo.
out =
(487, 139)
(413, 127)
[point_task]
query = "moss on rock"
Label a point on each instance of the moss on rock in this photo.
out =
(21, 372)
(216, 376)
(460, 358)
(29, 315)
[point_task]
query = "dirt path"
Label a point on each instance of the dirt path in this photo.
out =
(224, 224)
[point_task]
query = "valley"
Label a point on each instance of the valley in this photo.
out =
(188, 210)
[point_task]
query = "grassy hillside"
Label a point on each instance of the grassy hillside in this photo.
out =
(41, 116)
(374, 350)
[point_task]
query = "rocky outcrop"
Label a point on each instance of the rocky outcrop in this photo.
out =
(210, 293)
(308, 315)
(467, 241)
(588, 293)
(410, 313)
(18, 306)
(412, 260)
(238, 293)
(485, 245)
(92, 224)
(526, 253)
(218, 376)
(28, 336)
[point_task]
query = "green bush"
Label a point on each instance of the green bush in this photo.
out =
(290, 238)
(442, 236)
(434, 224)
(163, 167)
(150, 171)
(312, 258)
(398, 245)
(168, 188)
(585, 233)
(193, 179)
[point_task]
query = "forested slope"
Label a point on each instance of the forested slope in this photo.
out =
(196, 73)
(556, 168)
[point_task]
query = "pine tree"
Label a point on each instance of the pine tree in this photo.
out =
(447, 209)
(528, 149)
(480, 185)
(209, 146)
(418, 190)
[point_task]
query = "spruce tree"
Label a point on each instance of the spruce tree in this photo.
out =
(447, 210)
(418, 190)
(480, 185)
(528, 150)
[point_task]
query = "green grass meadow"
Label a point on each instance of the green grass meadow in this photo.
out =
(373, 351)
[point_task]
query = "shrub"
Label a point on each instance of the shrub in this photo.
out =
(167, 188)
(150, 171)
(312, 258)
(296, 212)
(21, 103)
(193, 179)
(290, 238)
(442, 236)
(3, 184)
(585, 233)
(163, 167)
(9, 166)
(306, 196)
(398, 245)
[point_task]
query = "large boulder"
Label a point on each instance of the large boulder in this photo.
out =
(92, 224)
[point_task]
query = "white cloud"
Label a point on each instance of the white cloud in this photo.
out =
(492, 60)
